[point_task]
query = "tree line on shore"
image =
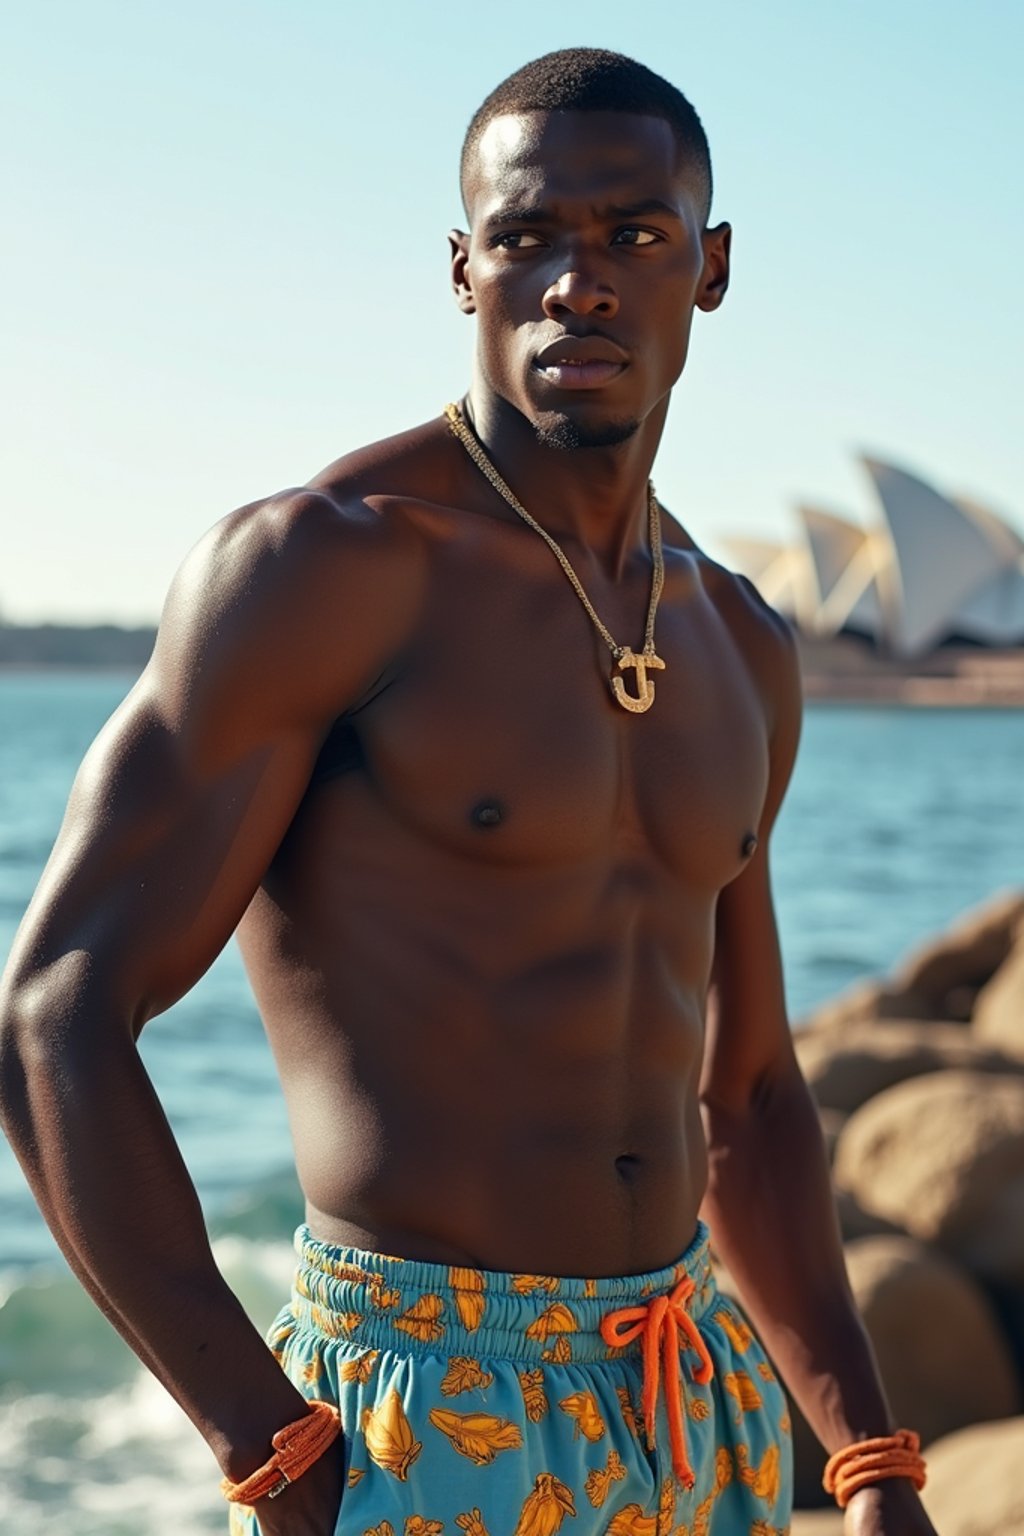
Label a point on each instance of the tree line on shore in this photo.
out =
(74, 645)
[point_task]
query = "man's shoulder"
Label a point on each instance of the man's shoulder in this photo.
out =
(330, 534)
(411, 466)
(752, 622)
(742, 605)
(313, 587)
(349, 510)
(764, 637)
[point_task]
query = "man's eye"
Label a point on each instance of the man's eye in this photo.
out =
(516, 240)
(633, 236)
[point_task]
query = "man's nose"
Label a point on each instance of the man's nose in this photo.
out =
(578, 292)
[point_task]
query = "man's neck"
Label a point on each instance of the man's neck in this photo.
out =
(597, 496)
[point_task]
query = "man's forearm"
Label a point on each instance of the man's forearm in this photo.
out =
(86, 1125)
(773, 1221)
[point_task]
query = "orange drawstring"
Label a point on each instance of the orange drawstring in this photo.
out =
(661, 1322)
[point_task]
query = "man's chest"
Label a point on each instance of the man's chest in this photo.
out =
(500, 736)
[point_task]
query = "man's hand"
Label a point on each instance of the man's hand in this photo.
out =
(310, 1507)
(889, 1508)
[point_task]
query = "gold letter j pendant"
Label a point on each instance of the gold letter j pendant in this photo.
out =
(644, 696)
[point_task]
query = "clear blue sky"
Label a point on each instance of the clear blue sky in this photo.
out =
(224, 259)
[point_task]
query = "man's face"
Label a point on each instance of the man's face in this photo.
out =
(586, 257)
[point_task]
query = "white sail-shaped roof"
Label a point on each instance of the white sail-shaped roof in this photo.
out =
(850, 564)
(782, 573)
(1006, 539)
(933, 567)
(753, 557)
(995, 614)
(833, 542)
(865, 616)
(944, 557)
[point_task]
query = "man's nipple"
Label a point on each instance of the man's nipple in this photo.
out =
(487, 813)
(749, 844)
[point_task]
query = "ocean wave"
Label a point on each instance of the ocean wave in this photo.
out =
(54, 1338)
(85, 1433)
(114, 1465)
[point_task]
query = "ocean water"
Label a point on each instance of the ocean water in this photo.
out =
(896, 821)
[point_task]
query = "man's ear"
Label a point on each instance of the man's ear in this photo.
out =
(714, 279)
(459, 242)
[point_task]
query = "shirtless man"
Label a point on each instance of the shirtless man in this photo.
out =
(511, 935)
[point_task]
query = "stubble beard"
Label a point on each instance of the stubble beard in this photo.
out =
(553, 431)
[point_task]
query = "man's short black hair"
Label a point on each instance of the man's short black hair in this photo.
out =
(595, 80)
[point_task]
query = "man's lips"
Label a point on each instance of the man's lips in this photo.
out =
(581, 375)
(580, 349)
(581, 362)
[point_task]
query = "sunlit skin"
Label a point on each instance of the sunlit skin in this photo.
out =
(518, 964)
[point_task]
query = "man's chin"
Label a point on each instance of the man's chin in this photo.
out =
(555, 429)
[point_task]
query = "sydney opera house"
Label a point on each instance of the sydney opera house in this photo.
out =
(933, 569)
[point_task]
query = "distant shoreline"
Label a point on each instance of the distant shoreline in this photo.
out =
(836, 670)
(72, 668)
(75, 647)
(907, 699)
(844, 669)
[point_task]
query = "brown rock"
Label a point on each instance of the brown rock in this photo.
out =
(944, 975)
(942, 1156)
(808, 1463)
(939, 980)
(938, 1343)
(832, 1122)
(864, 1001)
(975, 1486)
(817, 1522)
(999, 1009)
(845, 1068)
(1008, 1305)
(854, 1221)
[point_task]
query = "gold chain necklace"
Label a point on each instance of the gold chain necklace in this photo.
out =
(637, 703)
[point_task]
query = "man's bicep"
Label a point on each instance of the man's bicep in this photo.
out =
(747, 1036)
(186, 794)
(159, 855)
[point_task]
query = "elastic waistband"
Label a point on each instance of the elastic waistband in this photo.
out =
(412, 1307)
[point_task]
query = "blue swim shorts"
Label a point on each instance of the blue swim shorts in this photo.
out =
(475, 1403)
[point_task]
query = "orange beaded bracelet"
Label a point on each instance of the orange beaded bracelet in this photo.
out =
(296, 1447)
(869, 1461)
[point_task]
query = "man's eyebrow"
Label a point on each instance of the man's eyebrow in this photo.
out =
(639, 210)
(611, 212)
(523, 215)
